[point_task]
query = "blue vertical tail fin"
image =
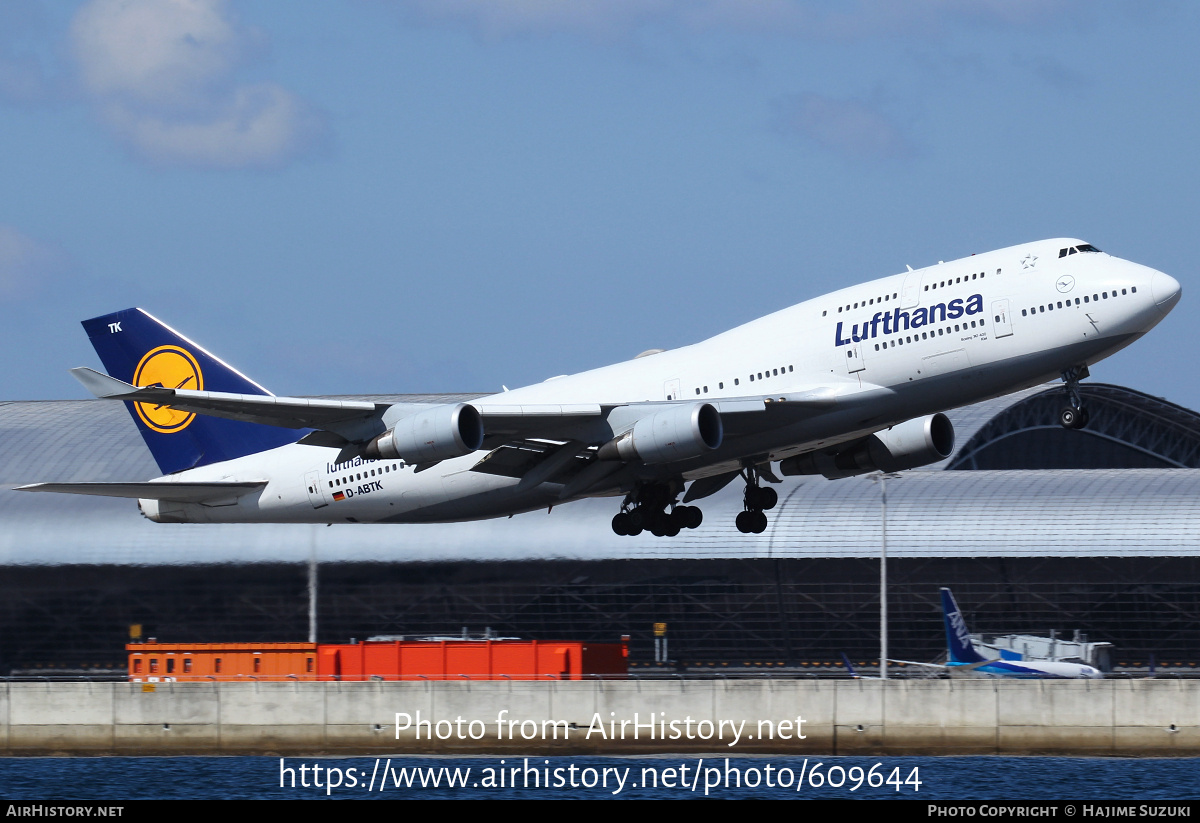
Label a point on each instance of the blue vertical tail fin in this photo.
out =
(849, 667)
(142, 350)
(958, 638)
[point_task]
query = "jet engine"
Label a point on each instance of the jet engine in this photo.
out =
(439, 433)
(676, 433)
(906, 445)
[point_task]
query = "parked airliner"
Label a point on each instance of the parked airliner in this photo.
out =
(964, 658)
(847, 383)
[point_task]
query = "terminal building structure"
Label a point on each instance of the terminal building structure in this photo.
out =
(1035, 527)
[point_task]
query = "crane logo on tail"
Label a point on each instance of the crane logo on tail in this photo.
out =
(170, 367)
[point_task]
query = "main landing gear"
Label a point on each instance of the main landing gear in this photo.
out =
(757, 500)
(651, 507)
(1074, 415)
(646, 508)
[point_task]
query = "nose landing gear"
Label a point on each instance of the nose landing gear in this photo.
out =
(1074, 415)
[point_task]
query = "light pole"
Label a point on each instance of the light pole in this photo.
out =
(882, 478)
(312, 586)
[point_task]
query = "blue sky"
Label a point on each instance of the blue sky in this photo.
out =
(451, 195)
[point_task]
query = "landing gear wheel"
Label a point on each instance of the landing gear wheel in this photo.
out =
(637, 520)
(764, 498)
(651, 507)
(757, 500)
(1073, 415)
(1072, 418)
(692, 516)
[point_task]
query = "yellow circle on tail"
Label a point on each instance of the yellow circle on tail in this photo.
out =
(171, 368)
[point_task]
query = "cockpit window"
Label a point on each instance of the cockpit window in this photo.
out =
(1085, 247)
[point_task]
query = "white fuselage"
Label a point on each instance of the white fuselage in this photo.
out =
(1029, 670)
(925, 341)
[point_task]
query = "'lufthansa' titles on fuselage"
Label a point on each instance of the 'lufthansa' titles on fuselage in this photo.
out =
(898, 320)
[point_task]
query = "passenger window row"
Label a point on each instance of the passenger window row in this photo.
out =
(939, 285)
(354, 478)
(1095, 298)
(871, 301)
(762, 375)
(917, 338)
(964, 279)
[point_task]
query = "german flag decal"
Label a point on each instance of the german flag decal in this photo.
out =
(339, 496)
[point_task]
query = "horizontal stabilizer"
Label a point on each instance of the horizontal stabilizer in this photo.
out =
(288, 412)
(175, 492)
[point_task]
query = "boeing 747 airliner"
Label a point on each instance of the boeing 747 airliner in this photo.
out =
(851, 382)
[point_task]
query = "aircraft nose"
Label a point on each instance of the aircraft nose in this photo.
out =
(1166, 291)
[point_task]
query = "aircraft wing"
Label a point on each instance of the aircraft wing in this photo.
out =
(550, 443)
(739, 415)
(288, 412)
(175, 492)
(915, 663)
(503, 424)
(962, 667)
(535, 442)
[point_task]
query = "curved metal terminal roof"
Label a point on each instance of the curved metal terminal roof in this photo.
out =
(1112, 512)
(1127, 429)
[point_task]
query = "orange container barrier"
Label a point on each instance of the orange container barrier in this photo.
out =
(385, 660)
(153, 662)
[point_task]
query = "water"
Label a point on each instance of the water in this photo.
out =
(961, 779)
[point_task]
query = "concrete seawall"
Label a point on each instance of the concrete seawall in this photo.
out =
(1110, 717)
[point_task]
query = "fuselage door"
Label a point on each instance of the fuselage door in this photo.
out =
(853, 358)
(312, 482)
(1001, 319)
(671, 389)
(911, 295)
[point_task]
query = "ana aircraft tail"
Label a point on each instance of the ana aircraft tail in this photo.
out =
(958, 638)
(141, 350)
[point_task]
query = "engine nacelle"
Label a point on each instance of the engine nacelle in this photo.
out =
(428, 436)
(677, 433)
(163, 511)
(906, 445)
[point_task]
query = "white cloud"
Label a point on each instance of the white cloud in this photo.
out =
(163, 75)
(257, 126)
(848, 127)
(26, 263)
(156, 51)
